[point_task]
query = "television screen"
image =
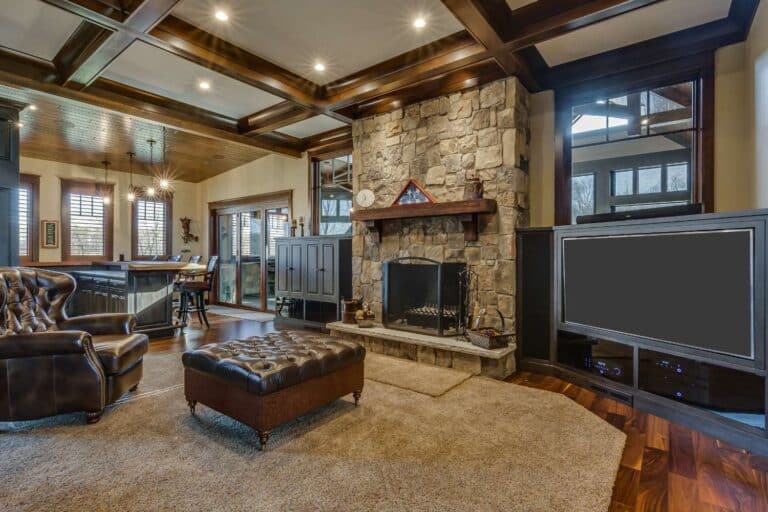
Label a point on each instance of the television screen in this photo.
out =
(687, 288)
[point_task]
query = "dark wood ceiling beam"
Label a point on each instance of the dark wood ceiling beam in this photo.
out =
(485, 20)
(327, 144)
(88, 53)
(273, 118)
(692, 41)
(191, 43)
(16, 71)
(546, 19)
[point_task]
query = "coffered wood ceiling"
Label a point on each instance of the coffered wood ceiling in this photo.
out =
(145, 58)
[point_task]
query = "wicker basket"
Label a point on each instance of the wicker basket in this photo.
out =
(481, 340)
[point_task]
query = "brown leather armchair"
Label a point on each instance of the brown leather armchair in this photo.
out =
(51, 364)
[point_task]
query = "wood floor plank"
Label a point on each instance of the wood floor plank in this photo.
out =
(633, 449)
(626, 487)
(681, 457)
(682, 493)
(653, 495)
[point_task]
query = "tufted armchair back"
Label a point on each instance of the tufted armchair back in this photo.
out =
(32, 300)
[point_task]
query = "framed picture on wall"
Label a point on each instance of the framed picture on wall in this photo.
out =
(49, 231)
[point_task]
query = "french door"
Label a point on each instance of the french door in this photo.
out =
(244, 241)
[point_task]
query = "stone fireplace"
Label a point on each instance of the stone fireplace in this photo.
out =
(480, 132)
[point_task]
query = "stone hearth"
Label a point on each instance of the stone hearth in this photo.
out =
(438, 351)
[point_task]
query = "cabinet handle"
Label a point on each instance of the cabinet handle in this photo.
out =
(321, 270)
(290, 268)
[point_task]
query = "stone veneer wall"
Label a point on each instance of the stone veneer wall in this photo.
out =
(441, 142)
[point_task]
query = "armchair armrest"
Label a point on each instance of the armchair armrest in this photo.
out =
(53, 343)
(102, 323)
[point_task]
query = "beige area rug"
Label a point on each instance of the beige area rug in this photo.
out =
(482, 446)
(243, 314)
(421, 378)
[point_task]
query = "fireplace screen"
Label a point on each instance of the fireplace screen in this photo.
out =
(424, 296)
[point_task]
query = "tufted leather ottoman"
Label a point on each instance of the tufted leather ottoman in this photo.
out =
(267, 380)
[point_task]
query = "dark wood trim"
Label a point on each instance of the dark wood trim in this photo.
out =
(189, 42)
(279, 198)
(328, 144)
(486, 20)
(743, 13)
(698, 68)
(86, 187)
(168, 201)
(32, 181)
(273, 118)
(675, 46)
(546, 19)
(83, 43)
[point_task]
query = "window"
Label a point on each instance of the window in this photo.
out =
(29, 191)
(86, 221)
(644, 137)
(151, 235)
(333, 195)
(583, 194)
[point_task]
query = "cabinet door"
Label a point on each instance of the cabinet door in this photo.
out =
(328, 270)
(295, 269)
(282, 274)
(312, 275)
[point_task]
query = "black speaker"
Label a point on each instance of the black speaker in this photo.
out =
(534, 292)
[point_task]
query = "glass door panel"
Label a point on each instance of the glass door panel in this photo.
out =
(250, 235)
(227, 244)
(276, 226)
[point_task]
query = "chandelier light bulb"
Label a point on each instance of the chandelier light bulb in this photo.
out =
(131, 196)
(151, 191)
(106, 200)
(164, 184)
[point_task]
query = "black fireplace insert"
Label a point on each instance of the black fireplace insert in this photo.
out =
(424, 296)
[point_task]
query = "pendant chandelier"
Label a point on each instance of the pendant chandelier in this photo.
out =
(105, 192)
(131, 196)
(151, 189)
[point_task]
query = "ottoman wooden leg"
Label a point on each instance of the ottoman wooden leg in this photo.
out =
(192, 404)
(263, 438)
(93, 417)
(357, 395)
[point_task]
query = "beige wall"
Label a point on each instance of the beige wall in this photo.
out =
(741, 165)
(51, 174)
(756, 95)
(542, 165)
(272, 173)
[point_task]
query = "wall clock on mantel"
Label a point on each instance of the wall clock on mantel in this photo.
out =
(365, 198)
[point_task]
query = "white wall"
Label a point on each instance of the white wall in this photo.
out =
(271, 173)
(51, 173)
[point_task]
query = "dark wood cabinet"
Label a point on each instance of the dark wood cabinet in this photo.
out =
(312, 273)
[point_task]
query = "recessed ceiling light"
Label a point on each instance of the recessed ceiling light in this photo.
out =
(204, 85)
(33, 107)
(419, 22)
(319, 66)
(222, 15)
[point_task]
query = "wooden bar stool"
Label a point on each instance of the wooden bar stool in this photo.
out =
(192, 292)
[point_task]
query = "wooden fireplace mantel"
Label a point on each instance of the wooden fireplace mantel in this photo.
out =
(467, 211)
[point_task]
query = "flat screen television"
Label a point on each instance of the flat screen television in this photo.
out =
(693, 289)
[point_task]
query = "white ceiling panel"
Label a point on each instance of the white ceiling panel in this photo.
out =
(35, 28)
(345, 35)
(311, 126)
(149, 68)
(640, 25)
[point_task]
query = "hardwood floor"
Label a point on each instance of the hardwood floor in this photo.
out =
(665, 467)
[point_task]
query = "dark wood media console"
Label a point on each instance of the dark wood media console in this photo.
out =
(718, 391)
